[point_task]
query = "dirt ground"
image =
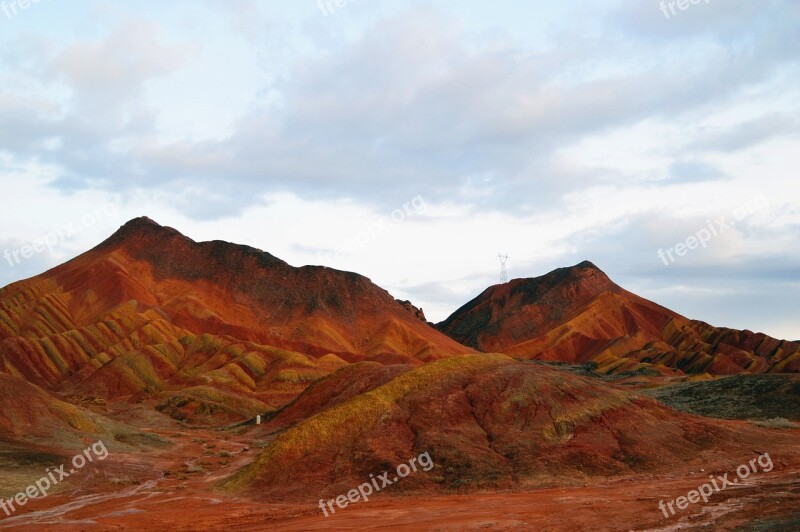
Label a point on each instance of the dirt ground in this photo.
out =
(174, 490)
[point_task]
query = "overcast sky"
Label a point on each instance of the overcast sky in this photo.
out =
(414, 141)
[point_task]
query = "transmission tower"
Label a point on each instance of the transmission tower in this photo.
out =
(503, 271)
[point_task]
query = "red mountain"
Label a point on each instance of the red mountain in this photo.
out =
(578, 315)
(150, 310)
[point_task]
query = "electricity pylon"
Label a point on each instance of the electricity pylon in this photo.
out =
(503, 271)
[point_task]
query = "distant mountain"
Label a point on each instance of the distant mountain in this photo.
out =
(578, 315)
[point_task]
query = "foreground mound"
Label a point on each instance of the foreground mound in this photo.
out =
(486, 421)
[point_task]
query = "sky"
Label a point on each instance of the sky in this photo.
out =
(413, 142)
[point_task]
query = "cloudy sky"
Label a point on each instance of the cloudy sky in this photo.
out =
(414, 141)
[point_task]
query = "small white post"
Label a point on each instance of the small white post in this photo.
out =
(258, 419)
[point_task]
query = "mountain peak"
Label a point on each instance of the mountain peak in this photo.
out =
(141, 221)
(589, 276)
(141, 228)
(587, 264)
(582, 268)
(585, 270)
(173, 254)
